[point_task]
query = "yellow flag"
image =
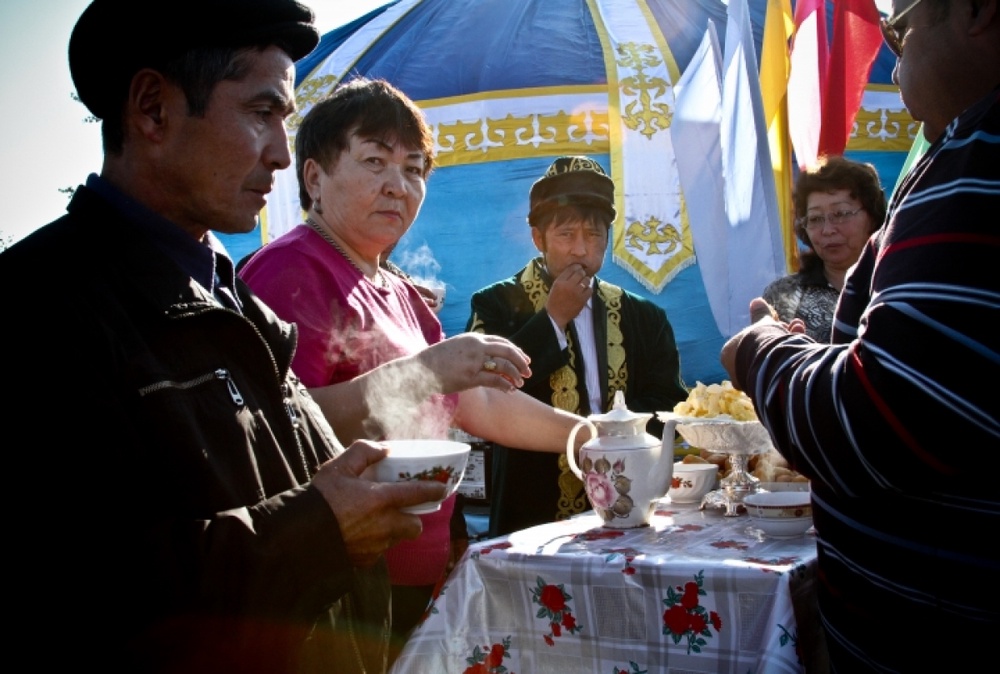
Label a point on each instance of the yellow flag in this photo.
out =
(774, 69)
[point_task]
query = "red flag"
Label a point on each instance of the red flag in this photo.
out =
(856, 41)
(807, 79)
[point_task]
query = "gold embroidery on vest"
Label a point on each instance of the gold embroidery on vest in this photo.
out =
(617, 363)
(563, 381)
(572, 499)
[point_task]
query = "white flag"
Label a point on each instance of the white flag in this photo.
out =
(696, 133)
(756, 255)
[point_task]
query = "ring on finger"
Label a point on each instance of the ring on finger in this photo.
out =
(490, 365)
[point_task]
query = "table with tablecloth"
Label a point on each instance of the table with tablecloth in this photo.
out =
(695, 591)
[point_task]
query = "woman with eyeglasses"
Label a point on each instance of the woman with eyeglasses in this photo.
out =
(838, 204)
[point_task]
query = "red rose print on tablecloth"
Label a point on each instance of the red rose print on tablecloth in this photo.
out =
(685, 617)
(489, 659)
(553, 606)
(730, 545)
(628, 553)
(690, 527)
(490, 548)
(634, 669)
(777, 561)
(599, 535)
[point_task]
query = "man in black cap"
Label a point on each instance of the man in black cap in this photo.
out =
(182, 503)
(586, 338)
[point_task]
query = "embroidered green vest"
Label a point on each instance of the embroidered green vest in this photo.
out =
(564, 382)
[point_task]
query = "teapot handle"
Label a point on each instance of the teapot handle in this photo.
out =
(571, 445)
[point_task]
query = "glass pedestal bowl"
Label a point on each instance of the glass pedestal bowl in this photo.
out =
(723, 435)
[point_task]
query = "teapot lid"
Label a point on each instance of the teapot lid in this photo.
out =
(620, 413)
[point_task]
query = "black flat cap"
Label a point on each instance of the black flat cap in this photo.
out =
(578, 181)
(114, 39)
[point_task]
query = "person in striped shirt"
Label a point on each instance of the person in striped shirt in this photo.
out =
(897, 422)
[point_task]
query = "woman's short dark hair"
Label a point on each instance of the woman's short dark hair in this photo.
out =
(371, 108)
(833, 173)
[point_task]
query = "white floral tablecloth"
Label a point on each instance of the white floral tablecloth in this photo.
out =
(693, 592)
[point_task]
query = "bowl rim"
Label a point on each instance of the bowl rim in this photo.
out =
(407, 449)
(778, 499)
(704, 421)
(798, 486)
(694, 467)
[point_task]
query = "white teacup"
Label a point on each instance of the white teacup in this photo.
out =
(441, 461)
(440, 291)
(691, 481)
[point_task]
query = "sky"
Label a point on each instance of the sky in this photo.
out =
(45, 143)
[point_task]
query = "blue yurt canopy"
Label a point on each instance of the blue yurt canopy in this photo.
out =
(508, 85)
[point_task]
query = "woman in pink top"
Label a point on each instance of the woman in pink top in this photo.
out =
(371, 352)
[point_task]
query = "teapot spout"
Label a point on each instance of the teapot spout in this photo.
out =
(666, 458)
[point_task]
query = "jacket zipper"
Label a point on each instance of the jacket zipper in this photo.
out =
(220, 373)
(286, 394)
(349, 614)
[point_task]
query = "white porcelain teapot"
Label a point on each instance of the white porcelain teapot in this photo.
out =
(625, 470)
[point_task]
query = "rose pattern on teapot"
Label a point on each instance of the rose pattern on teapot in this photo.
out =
(608, 487)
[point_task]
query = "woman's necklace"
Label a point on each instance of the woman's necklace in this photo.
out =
(377, 280)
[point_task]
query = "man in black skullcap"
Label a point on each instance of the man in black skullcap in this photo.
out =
(182, 505)
(586, 338)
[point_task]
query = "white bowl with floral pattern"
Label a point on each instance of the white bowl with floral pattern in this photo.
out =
(691, 481)
(441, 461)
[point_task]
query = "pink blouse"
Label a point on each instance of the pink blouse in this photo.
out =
(348, 326)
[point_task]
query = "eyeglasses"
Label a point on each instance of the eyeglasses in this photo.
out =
(814, 223)
(892, 35)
